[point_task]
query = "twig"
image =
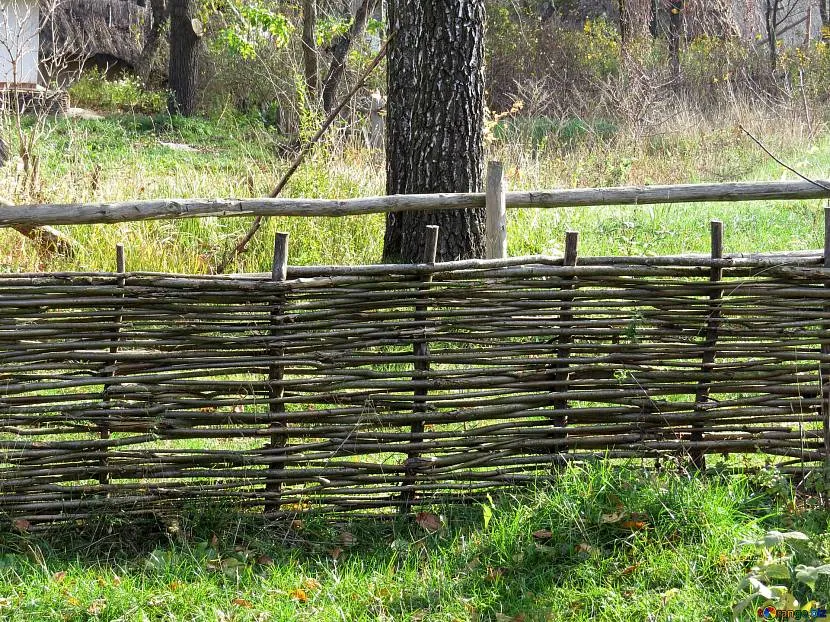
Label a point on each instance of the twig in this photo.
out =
(257, 224)
(818, 184)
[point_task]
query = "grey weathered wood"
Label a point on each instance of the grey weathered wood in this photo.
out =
(697, 456)
(824, 369)
(496, 213)
(276, 374)
(565, 339)
(77, 214)
(104, 428)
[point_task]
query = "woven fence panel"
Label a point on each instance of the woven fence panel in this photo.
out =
(154, 391)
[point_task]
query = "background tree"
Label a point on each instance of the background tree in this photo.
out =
(675, 33)
(144, 66)
(310, 47)
(185, 33)
(435, 110)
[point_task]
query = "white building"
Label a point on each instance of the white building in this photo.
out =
(19, 42)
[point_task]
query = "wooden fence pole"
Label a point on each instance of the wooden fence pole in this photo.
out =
(565, 339)
(698, 456)
(276, 373)
(824, 369)
(420, 348)
(496, 212)
(104, 429)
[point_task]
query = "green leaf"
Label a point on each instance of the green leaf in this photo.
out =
(487, 514)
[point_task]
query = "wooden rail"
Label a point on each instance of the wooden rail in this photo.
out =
(94, 213)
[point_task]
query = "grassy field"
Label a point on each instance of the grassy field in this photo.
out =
(133, 156)
(603, 544)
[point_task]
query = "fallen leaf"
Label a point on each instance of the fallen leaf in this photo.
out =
(629, 569)
(428, 522)
(299, 595)
(96, 606)
(21, 524)
(264, 560)
(175, 585)
(543, 534)
(614, 517)
(583, 547)
(59, 576)
(5, 602)
(116, 580)
(298, 524)
(311, 584)
(634, 525)
(336, 553)
(241, 602)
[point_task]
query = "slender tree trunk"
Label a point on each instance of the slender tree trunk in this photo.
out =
(654, 21)
(185, 32)
(144, 66)
(340, 50)
(625, 26)
(435, 119)
(824, 11)
(675, 33)
(310, 47)
(771, 18)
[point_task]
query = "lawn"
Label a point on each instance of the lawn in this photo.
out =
(605, 543)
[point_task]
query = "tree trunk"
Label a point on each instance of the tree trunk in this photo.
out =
(771, 19)
(144, 66)
(675, 33)
(824, 11)
(435, 110)
(654, 21)
(625, 27)
(340, 49)
(185, 32)
(310, 48)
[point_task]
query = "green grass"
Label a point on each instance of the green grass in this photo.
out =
(682, 560)
(124, 157)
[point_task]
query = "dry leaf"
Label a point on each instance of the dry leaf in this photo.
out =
(336, 553)
(299, 595)
(96, 606)
(175, 585)
(59, 576)
(583, 547)
(241, 602)
(543, 534)
(214, 542)
(629, 569)
(264, 560)
(614, 517)
(298, 525)
(634, 525)
(116, 580)
(428, 522)
(21, 524)
(311, 584)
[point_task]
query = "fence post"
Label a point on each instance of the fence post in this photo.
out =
(496, 212)
(698, 456)
(420, 348)
(103, 427)
(823, 367)
(565, 338)
(276, 373)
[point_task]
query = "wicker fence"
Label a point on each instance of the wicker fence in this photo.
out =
(383, 386)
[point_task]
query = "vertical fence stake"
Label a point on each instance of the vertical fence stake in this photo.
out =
(823, 369)
(103, 427)
(420, 349)
(698, 456)
(565, 338)
(276, 373)
(496, 212)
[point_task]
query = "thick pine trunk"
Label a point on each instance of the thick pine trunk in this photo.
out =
(184, 42)
(435, 119)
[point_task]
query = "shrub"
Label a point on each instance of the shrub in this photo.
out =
(125, 94)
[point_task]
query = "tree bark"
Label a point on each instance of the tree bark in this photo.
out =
(675, 33)
(654, 21)
(340, 50)
(771, 19)
(144, 66)
(435, 110)
(185, 33)
(309, 42)
(824, 11)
